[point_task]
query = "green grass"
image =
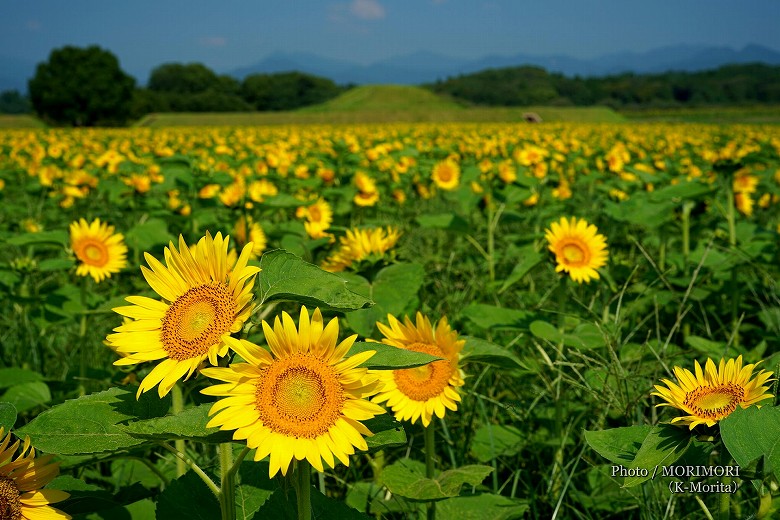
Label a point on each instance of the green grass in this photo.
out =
(384, 104)
(20, 121)
(760, 114)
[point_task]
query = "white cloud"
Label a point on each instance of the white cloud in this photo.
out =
(367, 9)
(213, 41)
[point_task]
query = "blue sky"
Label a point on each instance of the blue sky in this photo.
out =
(234, 33)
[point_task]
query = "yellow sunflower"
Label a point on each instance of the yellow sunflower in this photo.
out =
(360, 244)
(446, 174)
(21, 480)
(100, 251)
(205, 299)
(303, 400)
(256, 235)
(710, 395)
(418, 393)
(578, 249)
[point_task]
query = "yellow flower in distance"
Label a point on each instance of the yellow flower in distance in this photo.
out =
(446, 174)
(418, 393)
(302, 400)
(100, 251)
(21, 480)
(360, 244)
(710, 395)
(579, 249)
(205, 299)
(256, 235)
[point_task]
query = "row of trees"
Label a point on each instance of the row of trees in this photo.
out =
(87, 87)
(519, 86)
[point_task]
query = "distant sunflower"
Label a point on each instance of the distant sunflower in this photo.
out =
(361, 244)
(578, 249)
(205, 299)
(303, 400)
(256, 235)
(421, 392)
(21, 480)
(710, 395)
(100, 251)
(446, 174)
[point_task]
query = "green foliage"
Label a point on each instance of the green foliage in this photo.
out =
(286, 90)
(407, 479)
(81, 87)
(752, 433)
(12, 102)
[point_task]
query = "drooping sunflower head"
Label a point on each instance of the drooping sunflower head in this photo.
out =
(21, 480)
(100, 251)
(710, 395)
(420, 392)
(361, 244)
(579, 249)
(205, 298)
(302, 400)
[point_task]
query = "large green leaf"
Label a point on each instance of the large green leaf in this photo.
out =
(492, 317)
(282, 506)
(189, 424)
(388, 357)
(285, 276)
(482, 351)
(448, 221)
(59, 237)
(90, 424)
(16, 376)
(7, 416)
(27, 395)
(392, 290)
(529, 258)
(187, 497)
(254, 489)
(479, 507)
(752, 433)
(387, 432)
(147, 235)
(407, 479)
(682, 191)
(585, 336)
(494, 440)
(618, 445)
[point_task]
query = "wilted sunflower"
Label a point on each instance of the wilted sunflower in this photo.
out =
(100, 251)
(710, 395)
(21, 480)
(205, 298)
(303, 400)
(579, 249)
(420, 392)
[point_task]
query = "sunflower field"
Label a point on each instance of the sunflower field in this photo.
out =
(452, 321)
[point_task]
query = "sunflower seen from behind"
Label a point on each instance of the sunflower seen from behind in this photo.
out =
(709, 395)
(100, 251)
(578, 247)
(419, 393)
(205, 298)
(303, 400)
(21, 480)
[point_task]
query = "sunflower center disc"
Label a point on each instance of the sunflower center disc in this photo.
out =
(299, 396)
(714, 402)
(426, 381)
(573, 254)
(197, 320)
(314, 213)
(93, 253)
(445, 173)
(10, 505)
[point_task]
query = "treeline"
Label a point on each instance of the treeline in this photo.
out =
(522, 86)
(87, 87)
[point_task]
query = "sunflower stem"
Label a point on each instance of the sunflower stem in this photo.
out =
(686, 250)
(302, 480)
(178, 406)
(430, 453)
(227, 496)
(82, 343)
(194, 467)
(731, 219)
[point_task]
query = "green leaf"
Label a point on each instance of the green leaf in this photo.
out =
(254, 490)
(55, 264)
(585, 336)
(448, 221)
(481, 351)
(640, 211)
(283, 200)
(752, 433)
(285, 276)
(59, 237)
(189, 424)
(16, 376)
(547, 331)
(393, 289)
(492, 317)
(618, 445)
(479, 507)
(282, 506)
(187, 497)
(388, 357)
(89, 424)
(27, 395)
(494, 440)
(529, 258)
(682, 191)
(7, 416)
(663, 445)
(145, 236)
(387, 432)
(407, 479)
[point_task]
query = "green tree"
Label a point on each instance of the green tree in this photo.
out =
(193, 87)
(81, 87)
(12, 102)
(287, 90)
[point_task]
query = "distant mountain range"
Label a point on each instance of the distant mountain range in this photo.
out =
(427, 67)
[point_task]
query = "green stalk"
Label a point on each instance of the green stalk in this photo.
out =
(302, 481)
(731, 219)
(194, 467)
(491, 245)
(227, 492)
(430, 453)
(82, 342)
(686, 247)
(178, 407)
